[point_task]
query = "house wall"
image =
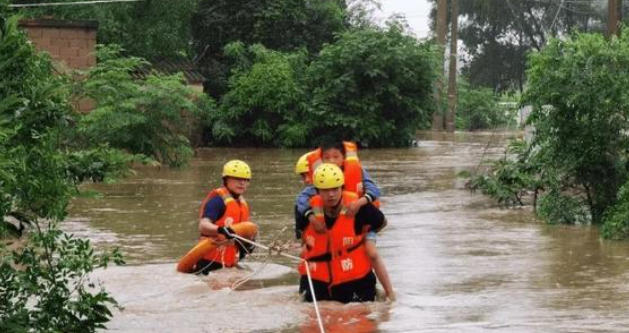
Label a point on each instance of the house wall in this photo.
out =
(70, 43)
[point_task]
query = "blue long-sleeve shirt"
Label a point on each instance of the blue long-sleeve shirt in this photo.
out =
(372, 192)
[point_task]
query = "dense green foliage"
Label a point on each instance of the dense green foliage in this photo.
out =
(373, 85)
(150, 29)
(578, 90)
(616, 225)
(478, 108)
(266, 100)
(43, 279)
(141, 116)
(584, 80)
(284, 73)
(512, 177)
(282, 25)
(46, 285)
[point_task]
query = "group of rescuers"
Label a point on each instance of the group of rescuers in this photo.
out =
(336, 219)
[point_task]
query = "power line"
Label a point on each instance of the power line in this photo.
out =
(51, 4)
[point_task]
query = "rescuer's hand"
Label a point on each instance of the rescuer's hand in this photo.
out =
(228, 232)
(318, 226)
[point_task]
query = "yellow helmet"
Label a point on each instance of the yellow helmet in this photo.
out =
(328, 176)
(302, 164)
(237, 169)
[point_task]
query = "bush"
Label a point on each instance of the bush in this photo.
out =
(478, 108)
(562, 208)
(373, 85)
(141, 117)
(512, 177)
(584, 80)
(46, 287)
(578, 156)
(616, 219)
(43, 286)
(266, 101)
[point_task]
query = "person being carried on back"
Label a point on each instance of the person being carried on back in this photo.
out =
(356, 180)
(337, 259)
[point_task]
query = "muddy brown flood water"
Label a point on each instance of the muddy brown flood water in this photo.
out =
(458, 262)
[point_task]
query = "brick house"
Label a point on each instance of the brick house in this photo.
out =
(72, 44)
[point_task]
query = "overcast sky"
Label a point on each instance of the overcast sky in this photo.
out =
(416, 11)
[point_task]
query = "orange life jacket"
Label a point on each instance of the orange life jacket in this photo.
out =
(236, 211)
(338, 255)
(352, 170)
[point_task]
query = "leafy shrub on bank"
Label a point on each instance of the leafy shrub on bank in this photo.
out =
(556, 207)
(513, 177)
(584, 80)
(478, 108)
(43, 286)
(616, 219)
(46, 285)
(578, 90)
(373, 85)
(140, 116)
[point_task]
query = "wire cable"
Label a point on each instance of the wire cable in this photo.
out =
(52, 4)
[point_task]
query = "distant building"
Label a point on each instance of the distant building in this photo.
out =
(72, 44)
(193, 76)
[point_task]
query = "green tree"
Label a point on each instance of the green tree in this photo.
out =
(373, 85)
(578, 90)
(140, 116)
(266, 101)
(498, 34)
(616, 219)
(478, 108)
(44, 279)
(282, 25)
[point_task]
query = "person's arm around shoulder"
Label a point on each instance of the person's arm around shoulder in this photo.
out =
(372, 193)
(303, 200)
(303, 208)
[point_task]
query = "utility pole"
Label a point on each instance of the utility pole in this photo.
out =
(442, 9)
(612, 17)
(620, 17)
(453, 67)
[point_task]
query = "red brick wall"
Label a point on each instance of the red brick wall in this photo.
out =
(70, 43)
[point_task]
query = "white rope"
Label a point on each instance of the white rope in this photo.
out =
(312, 292)
(51, 4)
(266, 261)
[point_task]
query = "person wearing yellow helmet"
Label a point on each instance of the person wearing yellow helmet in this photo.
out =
(222, 208)
(301, 168)
(341, 260)
(345, 155)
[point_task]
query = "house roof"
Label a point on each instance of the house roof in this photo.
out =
(170, 67)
